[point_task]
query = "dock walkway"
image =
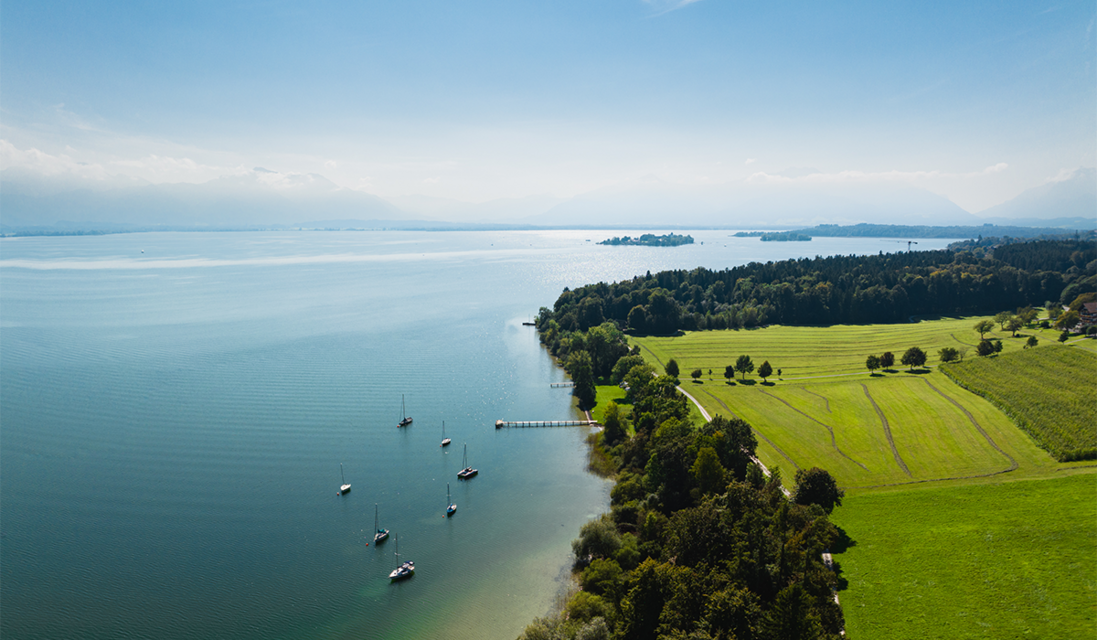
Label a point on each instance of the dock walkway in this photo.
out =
(503, 424)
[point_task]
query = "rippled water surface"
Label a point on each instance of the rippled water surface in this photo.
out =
(174, 408)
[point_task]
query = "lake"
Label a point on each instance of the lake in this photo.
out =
(174, 408)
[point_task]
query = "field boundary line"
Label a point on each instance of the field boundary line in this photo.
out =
(887, 431)
(1012, 462)
(830, 430)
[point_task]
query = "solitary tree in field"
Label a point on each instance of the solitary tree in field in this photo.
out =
(985, 348)
(1027, 314)
(872, 363)
(729, 372)
(672, 368)
(887, 360)
(744, 365)
(1064, 336)
(1002, 318)
(914, 357)
(948, 354)
(778, 373)
(1032, 342)
(1014, 323)
(997, 346)
(765, 370)
(984, 326)
(696, 374)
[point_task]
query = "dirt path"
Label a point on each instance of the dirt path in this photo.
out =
(887, 431)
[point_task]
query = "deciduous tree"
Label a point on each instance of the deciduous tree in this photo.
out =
(948, 354)
(984, 348)
(887, 360)
(1002, 318)
(744, 365)
(914, 357)
(765, 370)
(1031, 342)
(613, 423)
(729, 371)
(872, 363)
(672, 368)
(817, 486)
(696, 374)
(1014, 323)
(984, 326)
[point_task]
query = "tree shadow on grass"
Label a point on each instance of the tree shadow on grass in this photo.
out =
(768, 384)
(917, 372)
(731, 383)
(876, 375)
(749, 383)
(698, 381)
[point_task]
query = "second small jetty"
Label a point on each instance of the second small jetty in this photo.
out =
(501, 424)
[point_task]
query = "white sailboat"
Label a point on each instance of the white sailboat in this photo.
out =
(445, 440)
(467, 472)
(406, 419)
(403, 569)
(345, 487)
(380, 535)
(450, 506)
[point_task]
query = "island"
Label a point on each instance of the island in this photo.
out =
(650, 240)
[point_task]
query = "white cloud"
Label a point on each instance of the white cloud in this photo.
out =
(750, 161)
(40, 162)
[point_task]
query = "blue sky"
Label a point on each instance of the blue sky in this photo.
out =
(479, 100)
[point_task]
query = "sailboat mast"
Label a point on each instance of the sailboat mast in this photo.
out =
(341, 473)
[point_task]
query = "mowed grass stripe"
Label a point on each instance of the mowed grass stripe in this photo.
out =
(1049, 392)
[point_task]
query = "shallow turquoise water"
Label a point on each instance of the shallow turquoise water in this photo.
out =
(172, 423)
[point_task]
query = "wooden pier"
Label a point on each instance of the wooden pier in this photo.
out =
(504, 424)
(562, 384)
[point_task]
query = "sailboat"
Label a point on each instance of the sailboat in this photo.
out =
(403, 569)
(467, 472)
(445, 440)
(343, 488)
(406, 419)
(380, 534)
(450, 507)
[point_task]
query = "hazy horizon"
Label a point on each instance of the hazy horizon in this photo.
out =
(511, 110)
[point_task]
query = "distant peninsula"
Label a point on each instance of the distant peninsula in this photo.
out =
(650, 240)
(922, 231)
(775, 236)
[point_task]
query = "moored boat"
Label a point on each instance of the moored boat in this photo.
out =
(467, 472)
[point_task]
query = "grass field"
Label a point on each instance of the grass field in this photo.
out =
(1048, 392)
(868, 430)
(962, 526)
(1004, 560)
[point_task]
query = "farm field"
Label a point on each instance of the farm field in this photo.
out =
(1002, 560)
(869, 431)
(1049, 392)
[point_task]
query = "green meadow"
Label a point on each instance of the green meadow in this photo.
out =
(1002, 560)
(826, 410)
(961, 525)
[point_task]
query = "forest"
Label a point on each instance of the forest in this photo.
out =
(884, 288)
(699, 542)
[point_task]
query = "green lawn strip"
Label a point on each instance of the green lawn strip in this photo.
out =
(995, 560)
(825, 351)
(606, 393)
(1048, 392)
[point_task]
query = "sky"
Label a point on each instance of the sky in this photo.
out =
(474, 101)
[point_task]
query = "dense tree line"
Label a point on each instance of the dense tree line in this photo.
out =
(838, 289)
(699, 543)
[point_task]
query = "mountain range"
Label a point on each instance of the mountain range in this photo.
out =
(265, 198)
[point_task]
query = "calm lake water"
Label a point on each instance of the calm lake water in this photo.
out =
(174, 408)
